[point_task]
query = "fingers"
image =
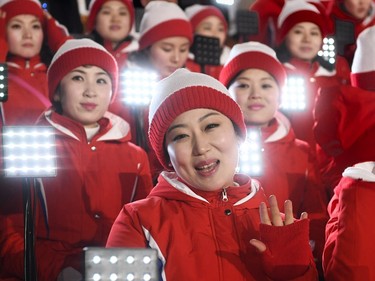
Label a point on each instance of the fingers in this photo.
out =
(304, 215)
(288, 211)
(263, 213)
(259, 245)
(275, 212)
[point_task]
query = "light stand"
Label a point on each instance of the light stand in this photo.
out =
(125, 264)
(206, 51)
(344, 35)
(137, 89)
(29, 153)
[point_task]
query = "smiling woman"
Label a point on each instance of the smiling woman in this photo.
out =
(206, 221)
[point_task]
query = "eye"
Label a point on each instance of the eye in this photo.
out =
(167, 50)
(15, 26)
(179, 137)
(212, 126)
(242, 86)
(37, 26)
(123, 13)
(77, 78)
(267, 86)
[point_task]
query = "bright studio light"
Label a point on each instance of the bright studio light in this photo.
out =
(138, 86)
(29, 151)
(3, 82)
(293, 97)
(225, 2)
(125, 264)
(328, 51)
(250, 162)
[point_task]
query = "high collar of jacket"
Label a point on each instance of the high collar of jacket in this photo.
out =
(304, 66)
(34, 63)
(112, 127)
(170, 186)
(278, 129)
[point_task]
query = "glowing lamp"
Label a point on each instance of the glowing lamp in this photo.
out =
(293, 97)
(125, 264)
(251, 160)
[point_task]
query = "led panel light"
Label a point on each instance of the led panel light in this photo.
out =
(206, 50)
(251, 159)
(125, 264)
(138, 86)
(247, 22)
(3, 82)
(328, 51)
(293, 97)
(29, 151)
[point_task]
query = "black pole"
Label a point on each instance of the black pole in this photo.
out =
(29, 242)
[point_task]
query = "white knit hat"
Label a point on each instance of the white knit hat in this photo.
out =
(77, 52)
(197, 13)
(182, 91)
(252, 55)
(296, 11)
(363, 67)
(161, 20)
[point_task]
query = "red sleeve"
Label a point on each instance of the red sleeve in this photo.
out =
(348, 252)
(56, 34)
(288, 255)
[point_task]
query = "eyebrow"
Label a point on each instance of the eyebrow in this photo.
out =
(84, 72)
(199, 120)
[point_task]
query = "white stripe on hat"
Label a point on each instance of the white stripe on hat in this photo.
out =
(364, 56)
(293, 6)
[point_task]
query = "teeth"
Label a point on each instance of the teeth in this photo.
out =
(205, 167)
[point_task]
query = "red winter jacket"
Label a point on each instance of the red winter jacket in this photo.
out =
(315, 77)
(290, 172)
(350, 244)
(199, 236)
(94, 180)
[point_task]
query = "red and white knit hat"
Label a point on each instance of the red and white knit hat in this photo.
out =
(197, 13)
(296, 11)
(363, 66)
(161, 20)
(77, 52)
(14, 8)
(95, 6)
(182, 91)
(252, 55)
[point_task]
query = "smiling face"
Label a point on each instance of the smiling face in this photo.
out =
(203, 148)
(212, 26)
(304, 41)
(113, 21)
(257, 93)
(169, 54)
(85, 94)
(24, 36)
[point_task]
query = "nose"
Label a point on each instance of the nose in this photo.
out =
(176, 56)
(89, 91)
(27, 33)
(201, 144)
(254, 92)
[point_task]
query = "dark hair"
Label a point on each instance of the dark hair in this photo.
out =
(95, 36)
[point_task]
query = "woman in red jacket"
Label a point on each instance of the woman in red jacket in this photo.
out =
(99, 169)
(202, 217)
(29, 36)
(255, 77)
(208, 20)
(301, 29)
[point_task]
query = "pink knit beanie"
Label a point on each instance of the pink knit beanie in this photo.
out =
(363, 67)
(77, 52)
(197, 13)
(162, 20)
(252, 55)
(296, 11)
(95, 6)
(182, 91)
(14, 8)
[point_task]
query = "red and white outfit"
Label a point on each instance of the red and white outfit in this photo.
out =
(290, 172)
(27, 78)
(339, 13)
(196, 14)
(350, 245)
(200, 232)
(94, 180)
(344, 120)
